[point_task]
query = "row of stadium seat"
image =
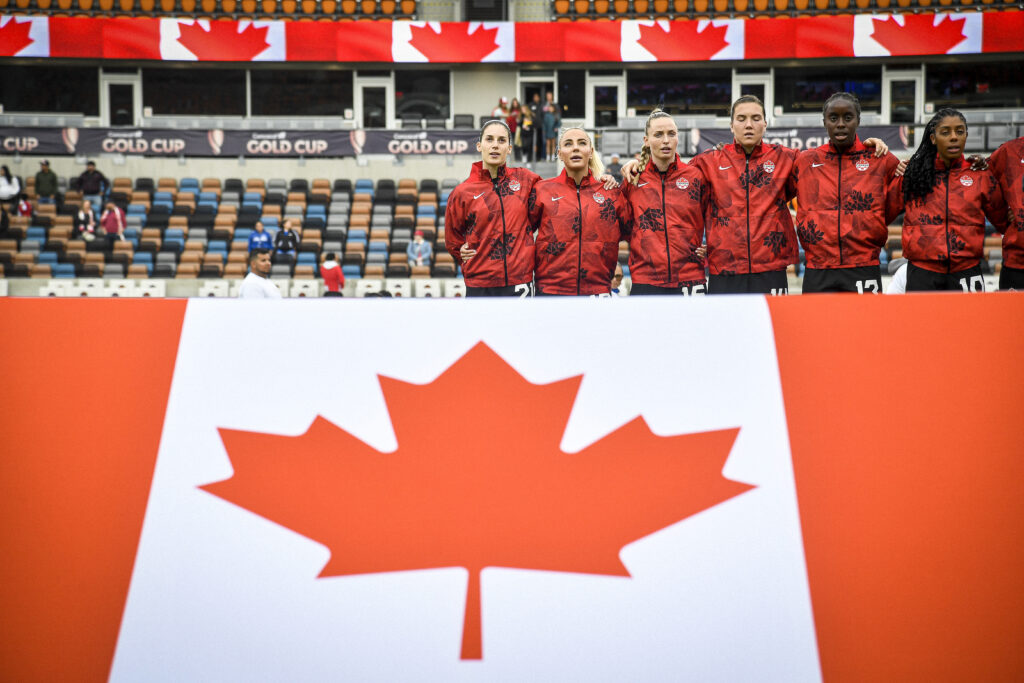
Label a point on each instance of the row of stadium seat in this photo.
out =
(329, 10)
(570, 10)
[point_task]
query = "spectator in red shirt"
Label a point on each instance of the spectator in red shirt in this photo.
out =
(113, 222)
(334, 279)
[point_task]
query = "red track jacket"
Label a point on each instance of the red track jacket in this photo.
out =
(944, 231)
(667, 217)
(848, 235)
(1007, 163)
(491, 216)
(749, 227)
(578, 234)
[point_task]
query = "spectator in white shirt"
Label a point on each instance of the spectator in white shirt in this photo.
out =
(256, 285)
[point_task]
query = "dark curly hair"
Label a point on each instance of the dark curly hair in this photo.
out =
(848, 96)
(919, 178)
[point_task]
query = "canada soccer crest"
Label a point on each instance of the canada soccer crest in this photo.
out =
(966, 180)
(863, 165)
(769, 167)
(682, 183)
(513, 185)
(599, 198)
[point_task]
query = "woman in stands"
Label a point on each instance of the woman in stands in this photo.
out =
(579, 223)
(844, 206)
(750, 233)
(486, 223)
(667, 205)
(947, 203)
(1007, 163)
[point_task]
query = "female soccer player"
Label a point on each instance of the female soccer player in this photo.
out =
(844, 205)
(486, 224)
(946, 206)
(579, 223)
(750, 232)
(1007, 163)
(667, 206)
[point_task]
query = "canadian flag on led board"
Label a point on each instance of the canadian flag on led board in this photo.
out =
(433, 41)
(224, 41)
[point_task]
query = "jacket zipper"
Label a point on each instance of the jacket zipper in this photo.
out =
(504, 236)
(579, 241)
(664, 224)
(839, 208)
(949, 255)
(750, 267)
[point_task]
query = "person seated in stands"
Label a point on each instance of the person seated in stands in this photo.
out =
(46, 184)
(93, 184)
(24, 207)
(113, 222)
(616, 289)
(334, 279)
(259, 238)
(85, 222)
(614, 169)
(286, 241)
(419, 250)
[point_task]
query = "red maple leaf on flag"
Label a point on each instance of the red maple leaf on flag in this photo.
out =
(454, 42)
(919, 35)
(681, 41)
(223, 42)
(489, 487)
(14, 37)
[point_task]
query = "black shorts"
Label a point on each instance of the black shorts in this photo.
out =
(330, 293)
(522, 291)
(1011, 278)
(862, 280)
(774, 282)
(922, 280)
(690, 288)
(603, 295)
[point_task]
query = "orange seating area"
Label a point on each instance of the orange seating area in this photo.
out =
(187, 228)
(309, 10)
(607, 10)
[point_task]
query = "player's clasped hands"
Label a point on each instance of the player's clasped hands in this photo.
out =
(466, 252)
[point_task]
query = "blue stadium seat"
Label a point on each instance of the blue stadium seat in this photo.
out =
(47, 258)
(351, 272)
(64, 271)
(145, 259)
(242, 234)
(357, 234)
(189, 185)
(217, 246)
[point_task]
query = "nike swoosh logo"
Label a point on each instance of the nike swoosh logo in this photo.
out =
(478, 196)
(641, 184)
(555, 199)
(817, 165)
(723, 168)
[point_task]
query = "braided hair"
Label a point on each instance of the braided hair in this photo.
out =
(595, 165)
(848, 96)
(645, 153)
(919, 178)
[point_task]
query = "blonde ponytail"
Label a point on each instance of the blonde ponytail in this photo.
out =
(645, 156)
(594, 165)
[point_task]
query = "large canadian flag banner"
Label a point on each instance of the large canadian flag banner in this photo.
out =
(728, 489)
